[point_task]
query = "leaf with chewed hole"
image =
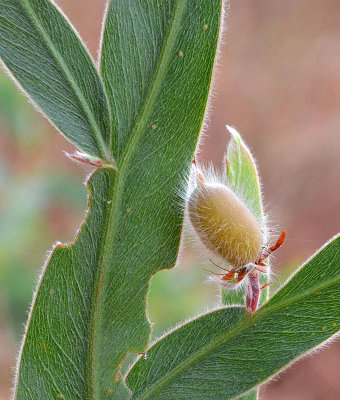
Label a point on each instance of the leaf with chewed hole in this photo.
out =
(226, 353)
(79, 334)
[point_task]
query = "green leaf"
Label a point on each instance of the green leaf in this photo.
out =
(253, 395)
(133, 230)
(244, 179)
(242, 173)
(151, 54)
(56, 358)
(46, 58)
(227, 352)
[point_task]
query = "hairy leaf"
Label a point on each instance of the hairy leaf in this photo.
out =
(253, 395)
(227, 352)
(49, 62)
(244, 180)
(136, 230)
(242, 173)
(152, 53)
(57, 357)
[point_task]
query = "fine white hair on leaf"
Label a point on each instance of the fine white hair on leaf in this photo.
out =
(30, 99)
(242, 188)
(29, 314)
(215, 74)
(102, 31)
(305, 263)
(310, 353)
(56, 245)
(172, 329)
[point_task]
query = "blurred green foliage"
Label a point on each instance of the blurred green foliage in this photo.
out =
(17, 117)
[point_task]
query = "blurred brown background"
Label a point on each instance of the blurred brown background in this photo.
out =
(278, 83)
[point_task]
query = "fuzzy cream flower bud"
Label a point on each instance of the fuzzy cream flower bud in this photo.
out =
(224, 224)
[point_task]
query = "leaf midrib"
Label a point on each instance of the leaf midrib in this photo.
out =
(69, 77)
(135, 137)
(156, 83)
(243, 324)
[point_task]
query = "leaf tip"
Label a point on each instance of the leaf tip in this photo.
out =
(234, 134)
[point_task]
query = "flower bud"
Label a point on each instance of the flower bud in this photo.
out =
(224, 224)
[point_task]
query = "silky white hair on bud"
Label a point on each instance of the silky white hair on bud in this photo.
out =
(227, 221)
(209, 237)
